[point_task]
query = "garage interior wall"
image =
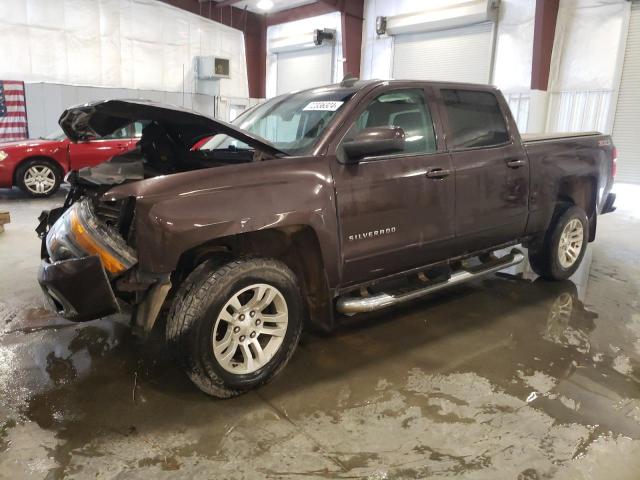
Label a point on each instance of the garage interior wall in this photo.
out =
(46, 101)
(386, 56)
(513, 59)
(130, 48)
(305, 67)
(460, 54)
(587, 56)
(585, 68)
(316, 63)
(627, 114)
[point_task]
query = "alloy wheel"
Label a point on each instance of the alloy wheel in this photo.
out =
(250, 328)
(39, 179)
(570, 244)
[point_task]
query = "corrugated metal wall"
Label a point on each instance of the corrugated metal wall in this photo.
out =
(626, 124)
(579, 111)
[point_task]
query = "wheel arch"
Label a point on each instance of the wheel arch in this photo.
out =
(298, 246)
(581, 192)
(52, 160)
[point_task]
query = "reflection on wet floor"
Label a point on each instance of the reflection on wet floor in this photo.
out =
(508, 377)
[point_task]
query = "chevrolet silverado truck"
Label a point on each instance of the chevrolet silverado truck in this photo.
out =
(313, 205)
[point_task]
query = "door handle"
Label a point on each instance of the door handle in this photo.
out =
(438, 173)
(516, 163)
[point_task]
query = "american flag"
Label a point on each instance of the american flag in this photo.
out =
(13, 111)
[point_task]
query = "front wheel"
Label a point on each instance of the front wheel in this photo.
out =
(563, 247)
(234, 327)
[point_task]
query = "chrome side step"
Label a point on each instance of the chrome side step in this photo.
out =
(351, 305)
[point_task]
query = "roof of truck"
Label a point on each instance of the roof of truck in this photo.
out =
(358, 84)
(364, 83)
(355, 85)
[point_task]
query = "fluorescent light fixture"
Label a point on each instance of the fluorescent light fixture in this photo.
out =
(265, 5)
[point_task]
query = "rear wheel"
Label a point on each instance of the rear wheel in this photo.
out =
(39, 177)
(236, 326)
(563, 247)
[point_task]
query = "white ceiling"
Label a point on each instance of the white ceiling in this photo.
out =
(277, 5)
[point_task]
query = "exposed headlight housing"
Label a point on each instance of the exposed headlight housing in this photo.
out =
(3, 155)
(78, 233)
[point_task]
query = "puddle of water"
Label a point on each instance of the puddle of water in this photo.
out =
(501, 378)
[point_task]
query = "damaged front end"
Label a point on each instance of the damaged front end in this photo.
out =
(89, 265)
(83, 252)
(89, 245)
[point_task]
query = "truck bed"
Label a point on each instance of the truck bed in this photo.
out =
(543, 137)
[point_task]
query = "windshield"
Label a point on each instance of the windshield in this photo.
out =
(56, 135)
(292, 123)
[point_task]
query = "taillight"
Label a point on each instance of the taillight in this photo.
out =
(614, 161)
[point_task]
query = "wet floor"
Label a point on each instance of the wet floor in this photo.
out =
(509, 377)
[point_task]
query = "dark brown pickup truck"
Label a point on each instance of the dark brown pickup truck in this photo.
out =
(346, 198)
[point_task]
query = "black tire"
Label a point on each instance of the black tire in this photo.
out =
(195, 310)
(39, 163)
(545, 260)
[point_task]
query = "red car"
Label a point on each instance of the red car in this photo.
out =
(38, 166)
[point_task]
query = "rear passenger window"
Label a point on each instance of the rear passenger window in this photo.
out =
(475, 119)
(406, 109)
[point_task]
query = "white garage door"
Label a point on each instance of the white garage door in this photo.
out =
(627, 118)
(302, 69)
(458, 55)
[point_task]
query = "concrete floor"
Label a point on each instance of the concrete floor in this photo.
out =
(508, 377)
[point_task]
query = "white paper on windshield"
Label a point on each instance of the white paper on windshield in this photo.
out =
(327, 106)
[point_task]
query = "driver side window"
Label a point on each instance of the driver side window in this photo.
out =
(406, 109)
(121, 133)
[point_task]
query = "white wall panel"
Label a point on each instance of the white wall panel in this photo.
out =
(514, 45)
(586, 44)
(519, 103)
(331, 21)
(456, 55)
(47, 101)
(301, 69)
(377, 51)
(579, 111)
(584, 65)
(135, 44)
(514, 39)
(627, 116)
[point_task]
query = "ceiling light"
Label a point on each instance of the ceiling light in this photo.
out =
(265, 5)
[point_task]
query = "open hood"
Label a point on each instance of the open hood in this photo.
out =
(185, 126)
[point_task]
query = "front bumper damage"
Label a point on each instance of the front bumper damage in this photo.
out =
(81, 289)
(78, 288)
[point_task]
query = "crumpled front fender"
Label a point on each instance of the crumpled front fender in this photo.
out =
(175, 213)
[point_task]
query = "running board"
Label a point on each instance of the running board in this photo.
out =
(351, 305)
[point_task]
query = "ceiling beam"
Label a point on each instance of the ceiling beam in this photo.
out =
(303, 11)
(346, 7)
(192, 6)
(227, 3)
